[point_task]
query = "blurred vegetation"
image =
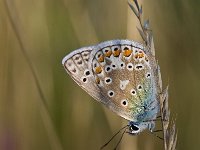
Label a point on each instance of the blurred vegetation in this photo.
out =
(48, 30)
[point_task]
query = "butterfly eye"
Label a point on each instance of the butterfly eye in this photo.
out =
(134, 129)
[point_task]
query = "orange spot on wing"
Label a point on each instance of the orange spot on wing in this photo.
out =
(98, 70)
(141, 54)
(101, 58)
(97, 80)
(108, 54)
(127, 52)
(136, 56)
(116, 53)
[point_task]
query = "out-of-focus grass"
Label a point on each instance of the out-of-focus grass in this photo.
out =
(50, 30)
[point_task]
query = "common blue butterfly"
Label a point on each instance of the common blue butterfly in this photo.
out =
(121, 74)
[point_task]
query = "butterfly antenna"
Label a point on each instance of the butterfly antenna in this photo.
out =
(120, 139)
(157, 131)
(154, 133)
(113, 137)
(157, 119)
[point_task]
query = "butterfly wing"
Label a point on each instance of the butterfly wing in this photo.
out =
(119, 74)
(124, 74)
(76, 65)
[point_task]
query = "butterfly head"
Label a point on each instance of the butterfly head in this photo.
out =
(136, 128)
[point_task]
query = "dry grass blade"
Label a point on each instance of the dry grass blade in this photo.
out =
(136, 4)
(134, 10)
(169, 130)
(144, 37)
(145, 32)
(17, 29)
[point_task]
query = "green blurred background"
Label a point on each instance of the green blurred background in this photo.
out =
(48, 30)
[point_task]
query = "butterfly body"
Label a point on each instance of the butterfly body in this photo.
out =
(121, 74)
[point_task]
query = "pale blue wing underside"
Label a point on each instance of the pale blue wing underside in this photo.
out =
(79, 62)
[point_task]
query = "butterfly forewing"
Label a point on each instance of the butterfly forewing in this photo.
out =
(76, 65)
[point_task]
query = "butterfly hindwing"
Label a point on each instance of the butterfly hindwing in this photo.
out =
(118, 74)
(122, 72)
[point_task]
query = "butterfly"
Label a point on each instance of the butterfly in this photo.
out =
(122, 75)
